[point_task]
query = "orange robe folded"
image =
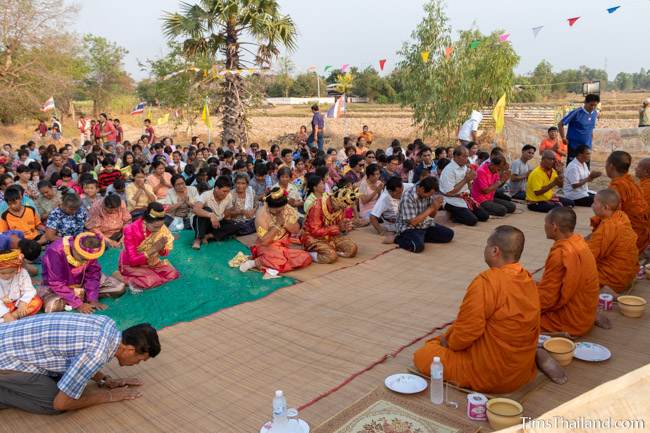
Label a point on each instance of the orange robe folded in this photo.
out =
(569, 288)
(635, 206)
(645, 190)
(610, 244)
(493, 341)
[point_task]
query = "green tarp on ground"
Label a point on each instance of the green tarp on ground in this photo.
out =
(206, 285)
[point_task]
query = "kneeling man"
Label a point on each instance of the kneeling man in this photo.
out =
(491, 345)
(47, 360)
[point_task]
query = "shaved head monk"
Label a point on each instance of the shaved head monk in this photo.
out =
(643, 173)
(491, 345)
(569, 288)
(568, 291)
(632, 201)
(610, 243)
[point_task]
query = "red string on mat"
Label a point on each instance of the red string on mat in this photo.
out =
(371, 366)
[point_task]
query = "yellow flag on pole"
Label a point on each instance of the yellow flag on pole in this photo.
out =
(163, 120)
(499, 114)
(205, 116)
(425, 56)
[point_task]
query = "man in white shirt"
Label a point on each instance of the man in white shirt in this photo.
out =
(454, 184)
(384, 214)
(469, 130)
(519, 171)
(578, 176)
(211, 213)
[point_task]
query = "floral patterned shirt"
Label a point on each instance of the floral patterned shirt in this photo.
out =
(67, 225)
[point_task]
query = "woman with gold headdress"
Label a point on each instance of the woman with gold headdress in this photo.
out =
(73, 277)
(145, 241)
(19, 298)
(325, 224)
(275, 223)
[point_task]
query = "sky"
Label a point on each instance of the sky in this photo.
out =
(360, 32)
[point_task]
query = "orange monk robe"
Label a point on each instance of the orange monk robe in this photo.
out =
(634, 205)
(645, 190)
(569, 288)
(493, 341)
(610, 244)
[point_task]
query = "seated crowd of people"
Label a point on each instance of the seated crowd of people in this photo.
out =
(62, 208)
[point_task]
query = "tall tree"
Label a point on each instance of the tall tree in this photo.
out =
(105, 70)
(38, 59)
(229, 28)
(286, 68)
(443, 90)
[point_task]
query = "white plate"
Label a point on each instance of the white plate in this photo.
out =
(266, 428)
(591, 352)
(406, 383)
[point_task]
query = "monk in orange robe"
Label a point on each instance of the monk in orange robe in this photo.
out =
(643, 173)
(569, 288)
(491, 346)
(632, 200)
(610, 244)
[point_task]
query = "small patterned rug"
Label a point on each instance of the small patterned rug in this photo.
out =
(383, 411)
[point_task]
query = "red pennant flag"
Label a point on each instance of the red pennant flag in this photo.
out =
(382, 63)
(448, 52)
(572, 21)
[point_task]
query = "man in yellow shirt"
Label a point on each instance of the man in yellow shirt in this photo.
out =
(542, 181)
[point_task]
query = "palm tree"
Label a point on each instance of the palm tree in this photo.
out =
(344, 83)
(235, 29)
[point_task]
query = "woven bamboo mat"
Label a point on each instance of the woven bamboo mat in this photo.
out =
(218, 373)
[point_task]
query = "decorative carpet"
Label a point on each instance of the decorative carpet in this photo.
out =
(206, 285)
(383, 411)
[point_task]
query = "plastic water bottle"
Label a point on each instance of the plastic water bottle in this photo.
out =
(280, 411)
(437, 382)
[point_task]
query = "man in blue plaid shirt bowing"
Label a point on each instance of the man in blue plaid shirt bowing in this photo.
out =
(47, 360)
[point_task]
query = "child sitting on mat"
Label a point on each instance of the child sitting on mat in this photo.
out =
(19, 298)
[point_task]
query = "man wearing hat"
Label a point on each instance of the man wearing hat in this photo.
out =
(73, 277)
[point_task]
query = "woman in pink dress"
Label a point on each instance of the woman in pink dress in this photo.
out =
(145, 241)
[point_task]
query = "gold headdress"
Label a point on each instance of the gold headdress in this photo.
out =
(11, 259)
(344, 197)
(155, 214)
(83, 252)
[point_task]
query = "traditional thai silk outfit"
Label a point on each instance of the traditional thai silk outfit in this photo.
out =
(19, 290)
(323, 235)
(277, 254)
(135, 267)
(69, 282)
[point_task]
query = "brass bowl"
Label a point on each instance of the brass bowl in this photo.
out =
(503, 413)
(561, 349)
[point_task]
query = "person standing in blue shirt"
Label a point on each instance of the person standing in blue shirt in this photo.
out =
(581, 123)
(317, 127)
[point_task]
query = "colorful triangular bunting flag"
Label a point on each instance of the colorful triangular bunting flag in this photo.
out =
(474, 43)
(382, 63)
(425, 56)
(536, 30)
(344, 68)
(504, 37)
(613, 9)
(572, 21)
(448, 52)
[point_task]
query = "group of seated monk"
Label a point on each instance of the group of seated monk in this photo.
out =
(492, 345)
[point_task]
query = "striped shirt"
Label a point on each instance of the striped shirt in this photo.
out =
(410, 206)
(73, 346)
